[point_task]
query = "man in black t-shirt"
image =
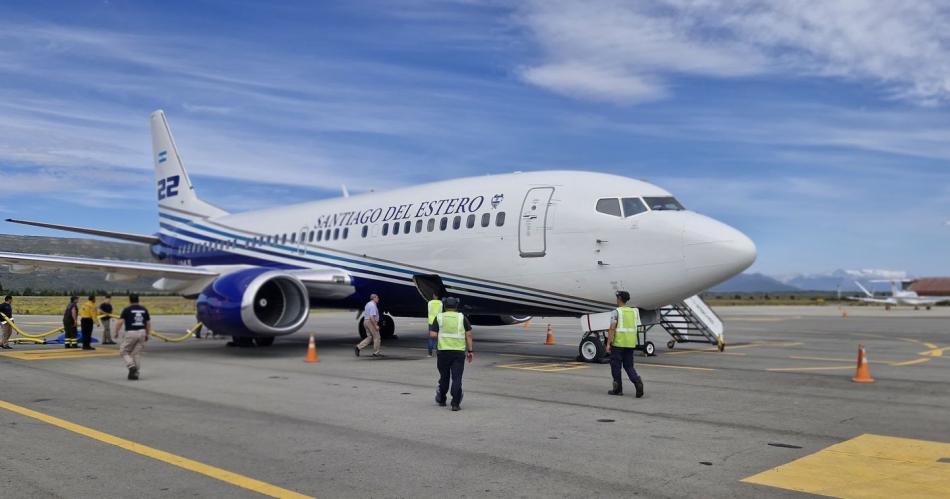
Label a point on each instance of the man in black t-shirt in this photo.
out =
(138, 327)
(6, 327)
(70, 319)
(105, 312)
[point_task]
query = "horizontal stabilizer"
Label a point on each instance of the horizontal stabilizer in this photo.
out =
(122, 236)
(143, 269)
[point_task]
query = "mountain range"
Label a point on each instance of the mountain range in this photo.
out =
(828, 281)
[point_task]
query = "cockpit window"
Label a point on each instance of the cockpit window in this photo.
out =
(609, 206)
(667, 203)
(633, 206)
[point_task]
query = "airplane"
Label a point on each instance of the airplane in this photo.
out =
(511, 246)
(899, 296)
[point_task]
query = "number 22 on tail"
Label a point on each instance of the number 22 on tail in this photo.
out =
(168, 187)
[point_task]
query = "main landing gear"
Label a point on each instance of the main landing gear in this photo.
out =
(250, 341)
(387, 327)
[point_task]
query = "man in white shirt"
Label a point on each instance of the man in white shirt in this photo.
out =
(371, 324)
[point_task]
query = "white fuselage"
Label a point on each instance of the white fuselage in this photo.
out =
(553, 242)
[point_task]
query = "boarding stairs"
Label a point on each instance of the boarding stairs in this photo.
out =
(690, 321)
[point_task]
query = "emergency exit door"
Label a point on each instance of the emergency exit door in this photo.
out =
(534, 215)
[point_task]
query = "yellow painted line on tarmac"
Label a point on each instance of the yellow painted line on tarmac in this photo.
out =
(692, 368)
(159, 455)
(547, 367)
(809, 368)
(59, 353)
(934, 351)
(761, 319)
(867, 466)
(911, 362)
(830, 359)
(706, 350)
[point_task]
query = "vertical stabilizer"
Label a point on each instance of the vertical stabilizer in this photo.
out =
(174, 188)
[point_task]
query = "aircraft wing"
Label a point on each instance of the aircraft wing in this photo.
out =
(886, 301)
(925, 300)
(21, 262)
(328, 283)
(122, 236)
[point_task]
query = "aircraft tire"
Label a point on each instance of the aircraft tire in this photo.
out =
(387, 327)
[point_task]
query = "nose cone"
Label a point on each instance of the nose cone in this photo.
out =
(715, 251)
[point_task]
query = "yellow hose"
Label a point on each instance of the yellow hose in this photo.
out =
(164, 337)
(37, 337)
(26, 334)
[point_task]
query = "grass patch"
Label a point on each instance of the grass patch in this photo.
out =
(56, 305)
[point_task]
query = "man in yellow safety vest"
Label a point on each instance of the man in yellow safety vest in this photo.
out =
(435, 308)
(454, 333)
(621, 343)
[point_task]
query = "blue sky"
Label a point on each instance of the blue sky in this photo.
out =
(821, 129)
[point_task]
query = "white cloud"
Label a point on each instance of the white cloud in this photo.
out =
(900, 46)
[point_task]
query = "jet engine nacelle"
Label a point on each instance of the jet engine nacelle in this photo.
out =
(254, 302)
(497, 320)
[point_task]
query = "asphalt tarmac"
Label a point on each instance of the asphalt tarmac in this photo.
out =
(756, 420)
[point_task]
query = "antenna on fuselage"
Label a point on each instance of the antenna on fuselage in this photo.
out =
(346, 192)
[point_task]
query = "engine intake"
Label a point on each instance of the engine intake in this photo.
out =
(254, 302)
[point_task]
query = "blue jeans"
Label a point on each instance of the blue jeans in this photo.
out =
(451, 364)
(622, 357)
(431, 342)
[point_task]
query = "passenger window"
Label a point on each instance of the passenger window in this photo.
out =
(500, 219)
(457, 222)
(319, 235)
(336, 234)
(326, 235)
(443, 223)
(609, 206)
(406, 227)
(385, 229)
(346, 232)
(633, 206)
(418, 226)
(486, 219)
(396, 228)
(365, 230)
(470, 223)
(665, 203)
(283, 239)
(293, 237)
(311, 236)
(431, 225)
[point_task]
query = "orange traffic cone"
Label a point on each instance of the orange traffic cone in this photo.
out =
(863, 373)
(550, 339)
(312, 351)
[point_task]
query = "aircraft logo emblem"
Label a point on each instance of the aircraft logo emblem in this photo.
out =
(496, 200)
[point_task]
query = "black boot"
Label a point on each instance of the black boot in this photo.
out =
(639, 386)
(618, 389)
(133, 373)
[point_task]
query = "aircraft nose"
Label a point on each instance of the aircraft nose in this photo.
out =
(715, 249)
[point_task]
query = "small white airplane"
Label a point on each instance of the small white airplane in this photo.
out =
(899, 296)
(548, 243)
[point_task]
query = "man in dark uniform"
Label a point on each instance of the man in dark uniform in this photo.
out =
(6, 309)
(138, 327)
(70, 318)
(454, 334)
(622, 342)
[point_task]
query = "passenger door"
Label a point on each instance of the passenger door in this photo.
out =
(302, 240)
(531, 226)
